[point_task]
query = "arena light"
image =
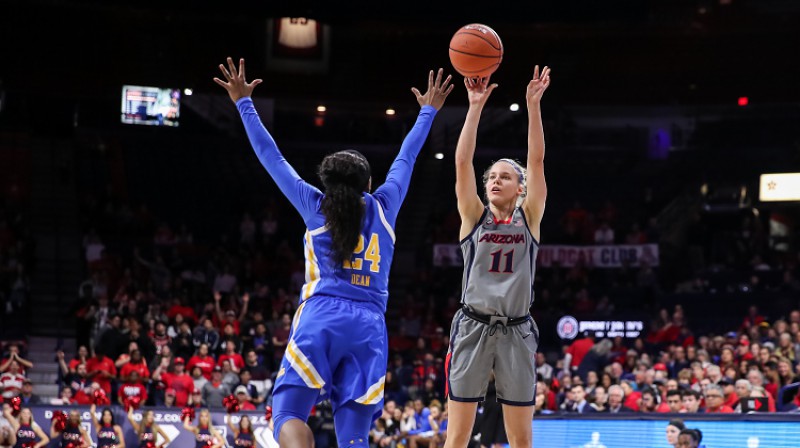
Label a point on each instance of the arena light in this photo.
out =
(187, 91)
(779, 187)
(743, 101)
(321, 109)
(513, 107)
(439, 156)
(390, 112)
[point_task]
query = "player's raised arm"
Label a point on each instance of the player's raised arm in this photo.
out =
(470, 206)
(534, 201)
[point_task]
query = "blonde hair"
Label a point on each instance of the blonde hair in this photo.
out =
(521, 177)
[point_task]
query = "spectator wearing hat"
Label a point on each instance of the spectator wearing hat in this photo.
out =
(743, 351)
(729, 391)
(178, 380)
(715, 400)
(244, 399)
(27, 395)
(215, 390)
(196, 398)
(229, 316)
(245, 380)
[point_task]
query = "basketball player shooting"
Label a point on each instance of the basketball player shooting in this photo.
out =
(494, 329)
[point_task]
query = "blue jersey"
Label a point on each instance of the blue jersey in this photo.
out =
(365, 277)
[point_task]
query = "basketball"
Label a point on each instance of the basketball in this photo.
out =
(476, 51)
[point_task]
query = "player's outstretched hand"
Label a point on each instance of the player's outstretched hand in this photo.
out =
(437, 90)
(235, 82)
(538, 84)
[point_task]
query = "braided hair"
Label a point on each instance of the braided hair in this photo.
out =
(345, 176)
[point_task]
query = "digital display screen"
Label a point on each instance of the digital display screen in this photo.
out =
(587, 433)
(153, 106)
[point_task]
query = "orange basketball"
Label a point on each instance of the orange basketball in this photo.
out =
(476, 50)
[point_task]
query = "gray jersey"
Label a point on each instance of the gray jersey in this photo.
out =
(499, 265)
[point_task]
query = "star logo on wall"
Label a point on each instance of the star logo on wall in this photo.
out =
(772, 185)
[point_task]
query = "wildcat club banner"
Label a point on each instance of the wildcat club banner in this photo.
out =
(611, 256)
(170, 421)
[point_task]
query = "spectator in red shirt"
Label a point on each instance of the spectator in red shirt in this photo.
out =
(203, 360)
(178, 380)
(632, 397)
(244, 399)
(729, 392)
(577, 350)
(715, 400)
(101, 370)
(12, 380)
(229, 316)
(180, 306)
(236, 360)
(135, 364)
(85, 392)
(80, 358)
(132, 387)
(753, 319)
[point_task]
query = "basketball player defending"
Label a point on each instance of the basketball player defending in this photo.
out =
(494, 329)
(338, 342)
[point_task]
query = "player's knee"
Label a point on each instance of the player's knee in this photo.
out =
(520, 440)
(280, 420)
(457, 439)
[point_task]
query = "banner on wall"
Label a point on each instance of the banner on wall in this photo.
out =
(169, 419)
(632, 255)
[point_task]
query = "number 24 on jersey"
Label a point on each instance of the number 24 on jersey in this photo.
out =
(372, 254)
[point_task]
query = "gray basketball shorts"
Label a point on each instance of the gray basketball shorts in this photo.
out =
(477, 348)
